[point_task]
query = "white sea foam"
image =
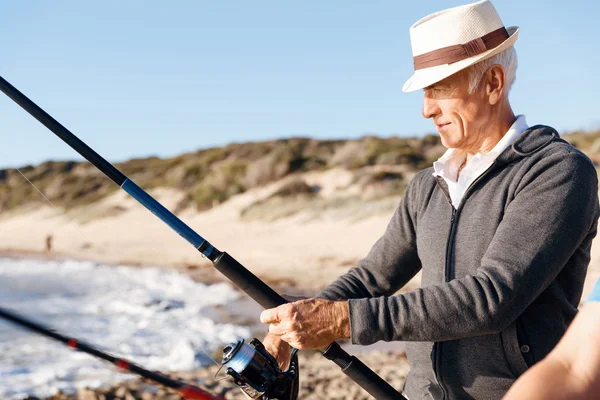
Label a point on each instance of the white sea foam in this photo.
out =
(157, 318)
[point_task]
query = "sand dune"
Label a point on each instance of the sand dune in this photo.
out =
(321, 244)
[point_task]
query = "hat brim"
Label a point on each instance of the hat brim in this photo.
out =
(428, 76)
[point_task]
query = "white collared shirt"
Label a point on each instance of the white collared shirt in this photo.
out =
(447, 166)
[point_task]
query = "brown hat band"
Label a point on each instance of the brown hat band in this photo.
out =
(458, 52)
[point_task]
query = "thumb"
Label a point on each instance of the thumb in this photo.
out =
(269, 316)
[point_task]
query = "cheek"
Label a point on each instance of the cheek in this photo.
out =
(450, 111)
(470, 114)
(464, 118)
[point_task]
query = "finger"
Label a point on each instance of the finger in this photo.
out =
(291, 338)
(269, 316)
(271, 340)
(284, 356)
(272, 348)
(279, 329)
(278, 349)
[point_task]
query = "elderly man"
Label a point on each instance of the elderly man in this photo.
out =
(501, 227)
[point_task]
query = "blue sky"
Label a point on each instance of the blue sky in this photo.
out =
(139, 78)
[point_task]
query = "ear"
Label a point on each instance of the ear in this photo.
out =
(495, 80)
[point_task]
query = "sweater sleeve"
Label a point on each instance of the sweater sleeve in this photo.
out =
(554, 211)
(391, 262)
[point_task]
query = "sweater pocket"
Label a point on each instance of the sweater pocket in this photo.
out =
(512, 350)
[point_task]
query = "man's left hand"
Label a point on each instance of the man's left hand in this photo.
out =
(309, 323)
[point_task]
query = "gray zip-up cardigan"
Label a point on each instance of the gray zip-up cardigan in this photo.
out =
(502, 274)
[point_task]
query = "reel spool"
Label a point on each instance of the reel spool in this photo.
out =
(257, 372)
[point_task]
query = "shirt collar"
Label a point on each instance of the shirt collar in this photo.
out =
(518, 127)
(515, 130)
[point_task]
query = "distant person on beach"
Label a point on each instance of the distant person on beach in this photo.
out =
(49, 243)
(572, 370)
(501, 227)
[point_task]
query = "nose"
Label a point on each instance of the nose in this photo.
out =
(430, 107)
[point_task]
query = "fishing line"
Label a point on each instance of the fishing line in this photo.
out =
(52, 204)
(86, 238)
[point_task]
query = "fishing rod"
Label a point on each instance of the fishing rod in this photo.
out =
(186, 390)
(222, 261)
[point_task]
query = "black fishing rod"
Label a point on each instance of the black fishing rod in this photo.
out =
(226, 264)
(186, 390)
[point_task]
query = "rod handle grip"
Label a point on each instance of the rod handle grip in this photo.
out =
(361, 374)
(248, 282)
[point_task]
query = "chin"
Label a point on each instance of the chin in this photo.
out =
(451, 140)
(447, 142)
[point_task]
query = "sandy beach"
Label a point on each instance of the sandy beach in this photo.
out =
(322, 244)
(299, 254)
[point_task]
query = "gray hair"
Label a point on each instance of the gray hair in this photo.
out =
(507, 58)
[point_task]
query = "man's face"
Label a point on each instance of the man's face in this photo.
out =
(459, 117)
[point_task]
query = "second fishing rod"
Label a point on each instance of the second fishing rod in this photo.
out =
(186, 390)
(225, 263)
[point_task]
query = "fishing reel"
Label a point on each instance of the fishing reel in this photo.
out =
(257, 372)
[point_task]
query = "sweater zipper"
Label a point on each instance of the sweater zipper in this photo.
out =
(437, 346)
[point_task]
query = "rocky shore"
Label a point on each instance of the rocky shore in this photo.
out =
(319, 379)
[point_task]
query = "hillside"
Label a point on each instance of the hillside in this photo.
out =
(211, 176)
(208, 177)
(279, 207)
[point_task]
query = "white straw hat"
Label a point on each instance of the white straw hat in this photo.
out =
(451, 40)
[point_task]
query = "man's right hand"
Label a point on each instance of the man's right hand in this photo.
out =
(277, 347)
